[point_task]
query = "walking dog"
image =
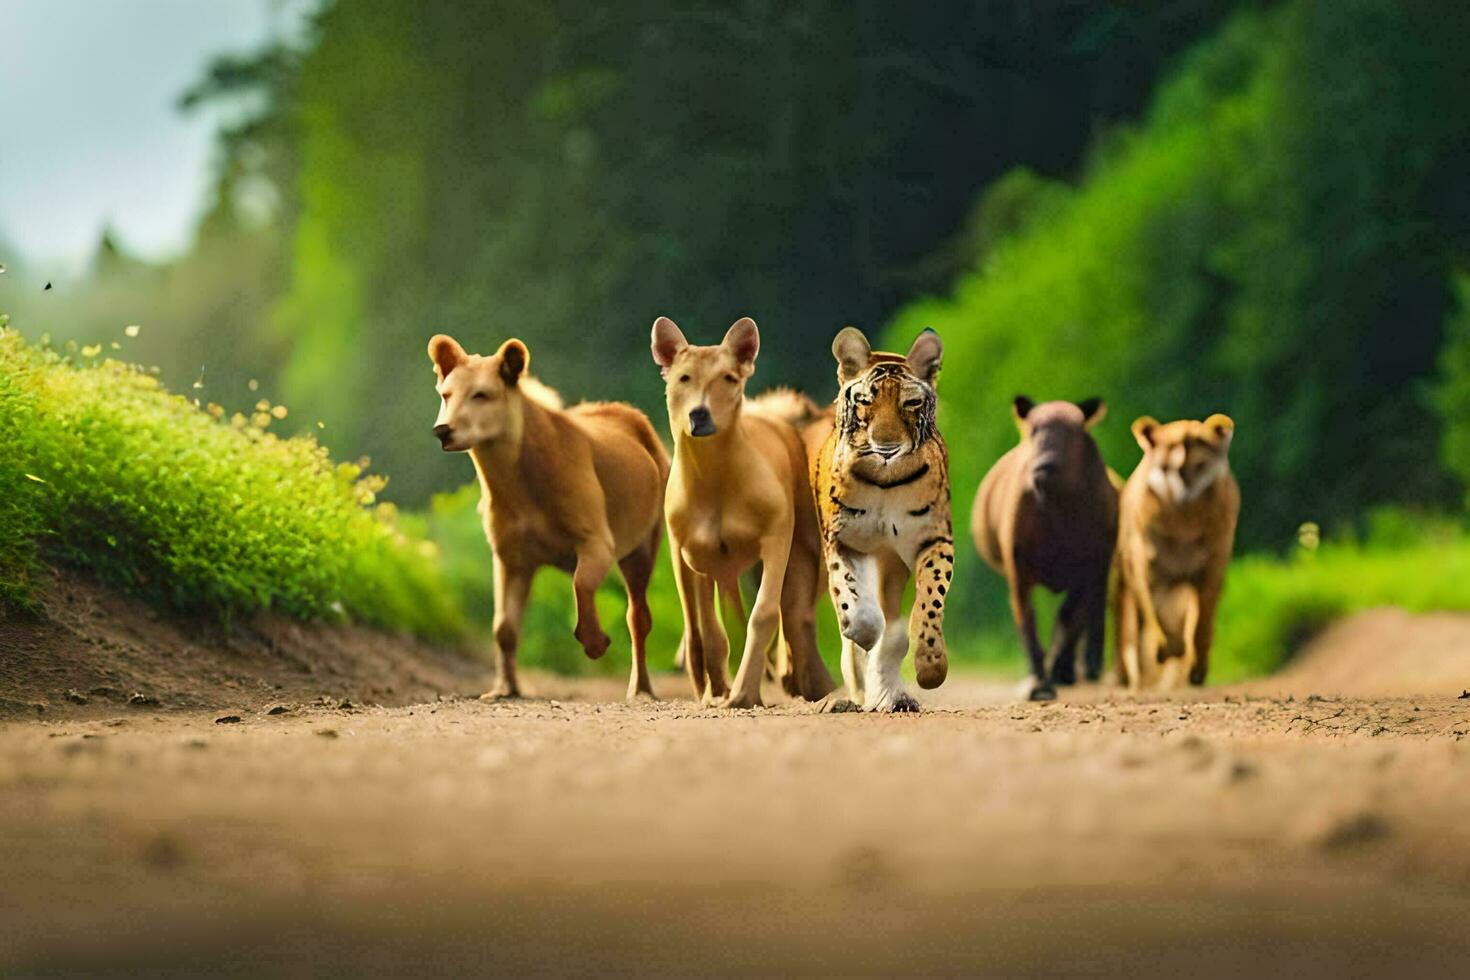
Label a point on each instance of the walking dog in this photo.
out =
(737, 495)
(578, 488)
(1177, 527)
(881, 482)
(1047, 514)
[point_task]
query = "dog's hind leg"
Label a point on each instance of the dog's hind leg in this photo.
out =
(637, 569)
(805, 674)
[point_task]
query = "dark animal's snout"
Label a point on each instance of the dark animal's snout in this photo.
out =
(701, 423)
(1046, 471)
(443, 431)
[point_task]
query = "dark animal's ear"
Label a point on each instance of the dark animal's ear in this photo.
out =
(514, 359)
(446, 354)
(1143, 431)
(668, 341)
(1224, 429)
(851, 349)
(743, 340)
(1094, 410)
(925, 355)
(1021, 407)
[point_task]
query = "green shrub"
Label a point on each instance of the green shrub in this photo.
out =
(147, 490)
(1272, 606)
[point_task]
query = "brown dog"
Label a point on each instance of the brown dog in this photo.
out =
(737, 495)
(577, 488)
(1047, 514)
(1177, 528)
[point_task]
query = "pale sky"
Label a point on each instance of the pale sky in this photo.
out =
(89, 132)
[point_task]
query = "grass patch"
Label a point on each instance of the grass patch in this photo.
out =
(192, 507)
(1272, 606)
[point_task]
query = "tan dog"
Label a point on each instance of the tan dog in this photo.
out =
(1176, 529)
(737, 495)
(881, 482)
(577, 488)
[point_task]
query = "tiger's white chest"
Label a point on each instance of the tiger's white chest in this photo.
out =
(873, 519)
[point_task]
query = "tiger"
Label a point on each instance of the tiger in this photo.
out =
(880, 479)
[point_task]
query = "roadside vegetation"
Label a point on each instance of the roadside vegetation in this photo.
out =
(174, 499)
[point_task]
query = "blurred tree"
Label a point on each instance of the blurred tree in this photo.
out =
(567, 174)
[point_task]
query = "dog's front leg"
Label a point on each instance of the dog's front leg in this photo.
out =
(765, 618)
(594, 560)
(512, 585)
(686, 580)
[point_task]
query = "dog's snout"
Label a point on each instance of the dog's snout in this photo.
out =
(443, 431)
(701, 423)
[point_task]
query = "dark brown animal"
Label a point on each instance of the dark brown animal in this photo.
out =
(1047, 514)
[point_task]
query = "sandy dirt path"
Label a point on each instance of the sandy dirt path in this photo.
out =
(1204, 835)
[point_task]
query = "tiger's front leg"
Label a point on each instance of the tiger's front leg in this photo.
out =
(933, 575)
(853, 579)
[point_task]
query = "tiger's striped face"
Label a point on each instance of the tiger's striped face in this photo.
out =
(885, 413)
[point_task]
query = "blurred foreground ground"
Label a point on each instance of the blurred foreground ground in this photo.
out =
(1280, 828)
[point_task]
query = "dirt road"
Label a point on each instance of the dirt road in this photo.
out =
(1211, 835)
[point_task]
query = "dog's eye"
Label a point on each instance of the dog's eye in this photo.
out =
(683, 379)
(732, 379)
(480, 396)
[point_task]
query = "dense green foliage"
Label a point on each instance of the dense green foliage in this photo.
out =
(104, 469)
(1275, 242)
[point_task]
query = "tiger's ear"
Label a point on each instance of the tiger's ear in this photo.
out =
(851, 349)
(1223, 427)
(514, 359)
(1143, 431)
(1094, 410)
(446, 354)
(925, 355)
(743, 340)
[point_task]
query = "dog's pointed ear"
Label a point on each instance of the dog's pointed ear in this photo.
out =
(1094, 410)
(926, 355)
(1021, 407)
(851, 349)
(1223, 427)
(668, 341)
(743, 340)
(1143, 431)
(514, 359)
(446, 354)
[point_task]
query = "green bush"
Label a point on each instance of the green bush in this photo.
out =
(152, 492)
(1272, 606)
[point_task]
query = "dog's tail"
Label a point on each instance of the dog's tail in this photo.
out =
(789, 405)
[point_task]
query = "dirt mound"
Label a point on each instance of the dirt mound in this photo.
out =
(1381, 653)
(91, 651)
